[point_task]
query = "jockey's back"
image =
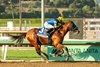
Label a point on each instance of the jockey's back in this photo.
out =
(52, 22)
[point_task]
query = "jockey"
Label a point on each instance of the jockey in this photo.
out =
(52, 24)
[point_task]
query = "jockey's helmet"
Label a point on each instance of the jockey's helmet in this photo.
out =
(60, 18)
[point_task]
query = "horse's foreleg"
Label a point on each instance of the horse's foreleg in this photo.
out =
(67, 54)
(60, 48)
(61, 51)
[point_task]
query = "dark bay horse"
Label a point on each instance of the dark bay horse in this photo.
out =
(57, 38)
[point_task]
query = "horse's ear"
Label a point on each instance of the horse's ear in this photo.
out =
(70, 21)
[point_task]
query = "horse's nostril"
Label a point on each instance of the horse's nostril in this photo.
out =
(78, 31)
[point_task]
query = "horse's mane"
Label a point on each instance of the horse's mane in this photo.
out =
(61, 26)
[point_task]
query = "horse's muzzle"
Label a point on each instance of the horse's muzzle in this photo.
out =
(77, 31)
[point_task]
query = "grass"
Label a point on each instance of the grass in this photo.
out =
(34, 22)
(22, 55)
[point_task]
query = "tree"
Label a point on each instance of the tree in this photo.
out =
(15, 1)
(67, 2)
(96, 11)
(86, 8)
(68, 13)
(73, 5)
(54, 13)
(78, 13)
(2, 8)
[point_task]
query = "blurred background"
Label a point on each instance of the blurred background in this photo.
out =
(26, 14)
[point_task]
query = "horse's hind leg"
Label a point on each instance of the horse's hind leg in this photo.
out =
(42, 54)
(37, 48)
(39, 52)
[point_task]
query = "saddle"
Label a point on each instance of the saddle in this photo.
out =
(43, 32)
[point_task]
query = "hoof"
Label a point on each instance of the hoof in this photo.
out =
(47, 61)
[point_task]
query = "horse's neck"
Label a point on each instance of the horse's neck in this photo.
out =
(64, 29)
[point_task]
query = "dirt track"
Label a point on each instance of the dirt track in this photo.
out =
(51, 64)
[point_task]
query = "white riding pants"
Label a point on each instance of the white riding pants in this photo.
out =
(46, 25)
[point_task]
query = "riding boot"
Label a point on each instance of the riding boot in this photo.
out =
(49, 33)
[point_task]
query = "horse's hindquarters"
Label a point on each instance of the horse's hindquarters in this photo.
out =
(43, 40)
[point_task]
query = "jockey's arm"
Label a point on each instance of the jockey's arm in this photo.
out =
(61, 23)
(55, 25)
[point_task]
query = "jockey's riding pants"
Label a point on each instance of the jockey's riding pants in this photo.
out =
(46, 25)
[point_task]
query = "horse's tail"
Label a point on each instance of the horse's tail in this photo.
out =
(19, 38)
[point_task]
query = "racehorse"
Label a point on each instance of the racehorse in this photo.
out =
(56, 39)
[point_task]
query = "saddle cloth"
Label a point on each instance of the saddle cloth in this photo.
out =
(42, 32)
